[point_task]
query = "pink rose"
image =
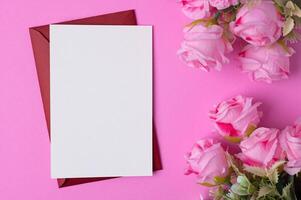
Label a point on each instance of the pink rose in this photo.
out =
(208, 160)
(262, 148)
(258, 22)
(204, 47)
(290, 140)
(267, 63)
(197, 9)
(236, 117)
(222, 4)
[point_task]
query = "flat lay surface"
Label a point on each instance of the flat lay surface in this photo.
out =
(182, 98)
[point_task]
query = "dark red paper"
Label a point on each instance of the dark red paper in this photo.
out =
(40, 44)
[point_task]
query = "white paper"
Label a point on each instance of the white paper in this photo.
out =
(101, 101)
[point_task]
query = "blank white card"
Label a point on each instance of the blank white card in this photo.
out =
(101, 101)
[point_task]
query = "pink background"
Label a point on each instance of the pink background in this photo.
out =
(183, 97)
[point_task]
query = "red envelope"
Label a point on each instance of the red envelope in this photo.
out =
(40, 44)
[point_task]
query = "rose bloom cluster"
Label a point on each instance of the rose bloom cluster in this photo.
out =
(209, 39)
(236, 120)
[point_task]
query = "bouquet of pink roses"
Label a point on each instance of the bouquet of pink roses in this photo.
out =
(266, 26)
(266, 161)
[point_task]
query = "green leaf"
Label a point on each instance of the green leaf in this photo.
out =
(232, 139)
(250, 130)
(265, 190)
(243, 181)
(292, 9)
(206, 184)
(278, 164)
(256, 171)
(231, 196)
(243, 187)
(237, 189)
(280, 3)
(288, 26)
(297, 11)
(292, 37)
(273, 172)
(287, 192)
(273, 176)
(221, 180)
(254, 196)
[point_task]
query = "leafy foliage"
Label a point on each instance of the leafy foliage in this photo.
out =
(290, 9)
(255, 183)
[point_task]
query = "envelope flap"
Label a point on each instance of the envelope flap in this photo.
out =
(43, 30)
(119, 18)
(40, 48)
